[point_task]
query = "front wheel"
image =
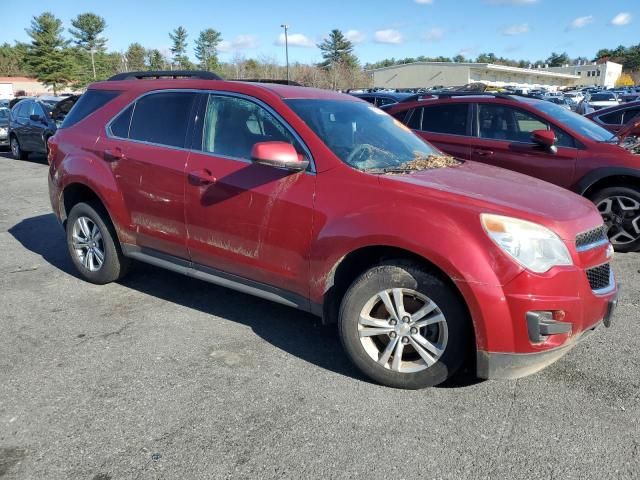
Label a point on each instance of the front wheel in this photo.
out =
(620, 210)
(404, 327)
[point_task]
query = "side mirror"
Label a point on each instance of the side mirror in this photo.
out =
(545, 138)
(278, 154)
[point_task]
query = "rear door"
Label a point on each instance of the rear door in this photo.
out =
(447, 126)
(503, 138)
(245, 219)
(146, 149)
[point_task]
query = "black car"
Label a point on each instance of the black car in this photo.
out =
(4, 126)
(33, 121)
(381, 98)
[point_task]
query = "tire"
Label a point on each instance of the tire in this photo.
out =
(620, 210)
(16, 149)
(114, 264)
(418, 288)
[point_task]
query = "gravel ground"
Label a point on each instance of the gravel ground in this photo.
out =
(163, 376)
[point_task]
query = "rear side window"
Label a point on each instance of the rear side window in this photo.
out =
(88, 103)
(614, 118)
(415, 122)
(120, 126)
(450, 119)
(162, 118)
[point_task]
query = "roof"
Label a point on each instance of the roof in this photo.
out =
(283, 91)
(486, 66)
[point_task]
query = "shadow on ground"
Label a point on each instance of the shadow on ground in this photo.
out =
(297, 333)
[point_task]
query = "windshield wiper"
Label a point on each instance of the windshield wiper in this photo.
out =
(398, 169)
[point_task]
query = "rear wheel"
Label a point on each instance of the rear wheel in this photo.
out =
(404, 327)
(93, 244)
(620, 210)
(16, 150)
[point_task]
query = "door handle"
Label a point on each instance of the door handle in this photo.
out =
(483, 153)
(113, 155)
(202, 177)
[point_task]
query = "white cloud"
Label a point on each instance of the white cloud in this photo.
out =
(580, 22)
(354, 36)
(296, 40)
(424, 2)
(388, 36)
(434, 34)
(241, 42)
(623, 18)
(517, 29)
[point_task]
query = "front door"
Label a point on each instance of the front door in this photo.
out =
(503, 139)
(245, 219)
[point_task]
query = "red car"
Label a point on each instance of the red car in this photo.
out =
(617, 118)
(540, 139)
(322, 202)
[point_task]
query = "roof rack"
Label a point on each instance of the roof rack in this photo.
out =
(453, 93)
(268, 80)
(195, 74)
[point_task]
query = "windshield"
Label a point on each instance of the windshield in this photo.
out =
(602, 97)
(4, 113)
(575, 122)
(361, 135)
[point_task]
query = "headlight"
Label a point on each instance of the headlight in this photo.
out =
(531, 245)
(3, 131)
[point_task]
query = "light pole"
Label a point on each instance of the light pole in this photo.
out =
(286, 46)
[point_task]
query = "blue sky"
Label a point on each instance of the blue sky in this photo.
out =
(528, 29)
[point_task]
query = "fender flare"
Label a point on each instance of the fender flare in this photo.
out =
(591, 178)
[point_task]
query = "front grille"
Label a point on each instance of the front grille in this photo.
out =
(596, 236)
(599, 277)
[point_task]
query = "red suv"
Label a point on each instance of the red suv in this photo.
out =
(540, 139)
(322, 202)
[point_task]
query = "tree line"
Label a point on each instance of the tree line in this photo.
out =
(76, 56)
(81, 57)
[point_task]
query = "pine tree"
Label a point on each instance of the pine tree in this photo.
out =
(87, 30)
(207, 49)
(47, 56)
(179, 48)
(155, 60)
(337, 50)
(135, 55)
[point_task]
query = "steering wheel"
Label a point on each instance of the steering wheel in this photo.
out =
(359, 150)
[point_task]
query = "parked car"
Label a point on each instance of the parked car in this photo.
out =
(616, 118)
(597, 101)
(4, 127)
(558, 100)
(540, 139)
(380, 99)
(33, 122)
(4, 103)
(320, 201)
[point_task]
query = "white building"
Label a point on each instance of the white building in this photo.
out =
(602, 74)
(449, 74)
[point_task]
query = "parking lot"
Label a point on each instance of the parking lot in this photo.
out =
(163, 376)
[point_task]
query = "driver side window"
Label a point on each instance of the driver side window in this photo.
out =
(233, 125)
(501, 122)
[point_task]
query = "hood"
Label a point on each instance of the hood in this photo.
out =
(496, 190)
(61, 109)
(632, 127)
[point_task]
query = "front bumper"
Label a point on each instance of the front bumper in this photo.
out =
(534, 320)
(4, 141)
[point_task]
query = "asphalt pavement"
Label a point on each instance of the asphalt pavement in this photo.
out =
(163, 376)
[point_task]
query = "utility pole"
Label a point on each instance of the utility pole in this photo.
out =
(286, 46)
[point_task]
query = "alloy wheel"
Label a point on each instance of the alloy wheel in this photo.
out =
(621, 215)
(88, 244)
(403, 330)
(15, 147)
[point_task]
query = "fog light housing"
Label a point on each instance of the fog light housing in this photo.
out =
(544, 323)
